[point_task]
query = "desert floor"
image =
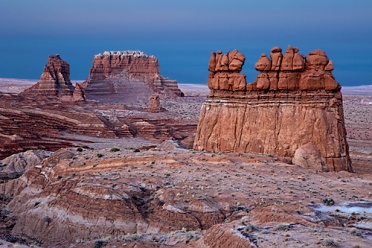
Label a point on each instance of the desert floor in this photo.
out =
(246, 200)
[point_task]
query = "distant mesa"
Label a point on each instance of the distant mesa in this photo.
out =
(293, 109)
(132, 74)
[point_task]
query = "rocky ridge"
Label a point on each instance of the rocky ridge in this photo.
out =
(138, 198)
(26, 124)
(293, 109)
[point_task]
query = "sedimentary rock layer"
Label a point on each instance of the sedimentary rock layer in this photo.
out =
(54, 81)
(28, 124)
(115, 72)
(294, 115)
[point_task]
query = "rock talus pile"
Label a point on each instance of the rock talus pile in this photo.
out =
(294, 109)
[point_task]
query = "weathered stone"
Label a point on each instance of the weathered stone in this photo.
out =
(317, 60)
(78, 95)
(329, 66)
(226, 76)
(276, 57)
(212, 62)
(154, 103)
(263, 63)
(280, 112)
(287, 62)
(308, 156)
(54, 81)
(120, 72)
(298, 61)
(263, 81)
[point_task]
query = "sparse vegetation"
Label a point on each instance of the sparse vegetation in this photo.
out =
(100, 155)
(356, 232)
(328, 201)
(241, 208)
(79, 149)
(330, 242)
(282, 227)
(100, 243)
(47, 219)
(114, 149)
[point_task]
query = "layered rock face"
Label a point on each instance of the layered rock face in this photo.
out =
(54, 81)
(293, 108)
(124, 72)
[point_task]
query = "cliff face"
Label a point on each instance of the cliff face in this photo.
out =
(54, 81)
(294, 109)
(119, 72)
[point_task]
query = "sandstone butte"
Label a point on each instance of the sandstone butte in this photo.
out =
(55, 82)
(131, 72)
(294, 109)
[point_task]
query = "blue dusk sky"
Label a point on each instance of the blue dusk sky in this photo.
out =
(182, 34)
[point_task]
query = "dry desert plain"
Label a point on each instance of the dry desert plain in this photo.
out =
(133, 192)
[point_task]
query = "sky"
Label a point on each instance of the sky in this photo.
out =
(182, 34)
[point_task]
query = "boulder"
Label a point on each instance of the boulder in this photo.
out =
(263, 63)
(308, 156)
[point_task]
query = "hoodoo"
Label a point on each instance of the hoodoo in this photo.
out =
(127, 73)
(294, 109)
(54, 81)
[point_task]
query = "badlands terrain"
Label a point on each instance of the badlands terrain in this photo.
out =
(131, 192)
(109, 162)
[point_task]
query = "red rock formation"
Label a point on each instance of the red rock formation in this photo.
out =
(54, 81)
(154, 104)
(78, 95)
(115, 72)
(225, 71)
(295, 104)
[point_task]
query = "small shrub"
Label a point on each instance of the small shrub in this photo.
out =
(250, 228)
(136, 150)
(47, 219)
(356, 232)
(330, 242)
(114, 150)
(241, 208)
(100, 243)
(282, 227)
(100, 155)
(79, 149)
(328, 201)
